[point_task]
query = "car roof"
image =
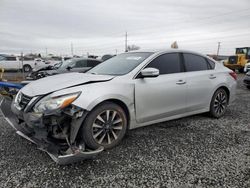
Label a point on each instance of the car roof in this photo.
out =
(159, 51)
(84, 58)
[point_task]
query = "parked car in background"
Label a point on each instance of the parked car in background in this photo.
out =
(8, 62)
(247, 67)
(107, 56)
(71, 65)
(75, 116)
(246, 80)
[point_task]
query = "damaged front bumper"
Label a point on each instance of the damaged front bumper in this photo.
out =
(72, 153)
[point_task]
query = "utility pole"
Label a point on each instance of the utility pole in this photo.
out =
(72, 49)
(126, 41)
(22, 65)
(218, 49)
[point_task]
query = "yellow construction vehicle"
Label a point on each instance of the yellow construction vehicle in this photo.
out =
(238, 61)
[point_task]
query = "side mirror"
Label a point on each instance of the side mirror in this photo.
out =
(149, 73)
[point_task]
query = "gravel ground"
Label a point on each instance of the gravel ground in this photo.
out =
(195, 151)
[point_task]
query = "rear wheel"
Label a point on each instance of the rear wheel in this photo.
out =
(105, 126)
(241, 70)
(219, 103)
(27, 68)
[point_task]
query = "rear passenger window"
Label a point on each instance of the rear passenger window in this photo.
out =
(167, 63)
(195, 63)
(211, 64)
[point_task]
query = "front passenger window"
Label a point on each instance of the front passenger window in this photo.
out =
(167, 63)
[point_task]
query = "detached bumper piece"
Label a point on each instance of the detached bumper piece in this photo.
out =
(71, 155)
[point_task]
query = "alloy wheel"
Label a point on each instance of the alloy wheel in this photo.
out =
(107, 127)
(220, 103)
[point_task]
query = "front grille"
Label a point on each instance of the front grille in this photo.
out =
(24, 101)
(233, 60)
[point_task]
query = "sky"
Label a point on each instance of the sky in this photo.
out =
(99, 26)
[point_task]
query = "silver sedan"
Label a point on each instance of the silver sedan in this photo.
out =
(77, 115)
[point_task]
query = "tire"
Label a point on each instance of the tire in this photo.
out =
(241, 70)
(248, 87)
(219, 103)
(27, 68)
(98, 130)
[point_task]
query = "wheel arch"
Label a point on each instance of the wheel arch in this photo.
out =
(27, 65)
(120, 103)
(226, 89)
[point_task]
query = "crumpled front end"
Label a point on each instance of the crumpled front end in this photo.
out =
(57, 133)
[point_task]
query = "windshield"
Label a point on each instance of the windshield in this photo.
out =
(66, 64)
(241, 50)
(57, 65)
(120, 64)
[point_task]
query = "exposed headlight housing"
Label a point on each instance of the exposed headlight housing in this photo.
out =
(49, 103)
(18, 97)
(17, 100)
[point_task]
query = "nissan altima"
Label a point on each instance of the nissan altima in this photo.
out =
(75, 116)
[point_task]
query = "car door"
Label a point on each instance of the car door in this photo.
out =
(162, 96)
(200, 78)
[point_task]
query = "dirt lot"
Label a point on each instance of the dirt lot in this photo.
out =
(195, 151)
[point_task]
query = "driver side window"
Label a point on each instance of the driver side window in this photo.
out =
(167, 63)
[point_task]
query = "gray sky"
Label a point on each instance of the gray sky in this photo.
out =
(98, 26)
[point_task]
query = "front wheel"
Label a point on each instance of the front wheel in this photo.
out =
(105, 126)
(219, 103)
(27, 68)
(241, 70)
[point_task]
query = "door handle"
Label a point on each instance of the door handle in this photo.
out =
(212, 76)
(180, 82)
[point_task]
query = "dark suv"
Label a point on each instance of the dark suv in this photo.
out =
(71, 65)
(246, 80)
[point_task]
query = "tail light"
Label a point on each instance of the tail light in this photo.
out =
(233, 74)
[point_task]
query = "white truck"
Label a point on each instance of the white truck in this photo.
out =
(8, 62)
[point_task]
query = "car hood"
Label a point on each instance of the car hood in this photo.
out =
(54, 83)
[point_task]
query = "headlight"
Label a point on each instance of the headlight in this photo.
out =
(18, 97)
(49, 103)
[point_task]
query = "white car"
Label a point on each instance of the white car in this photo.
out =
(76, 115)
(247, 67)
(14, 63)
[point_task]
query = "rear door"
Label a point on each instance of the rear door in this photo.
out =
(162, 96)
(200, 78)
